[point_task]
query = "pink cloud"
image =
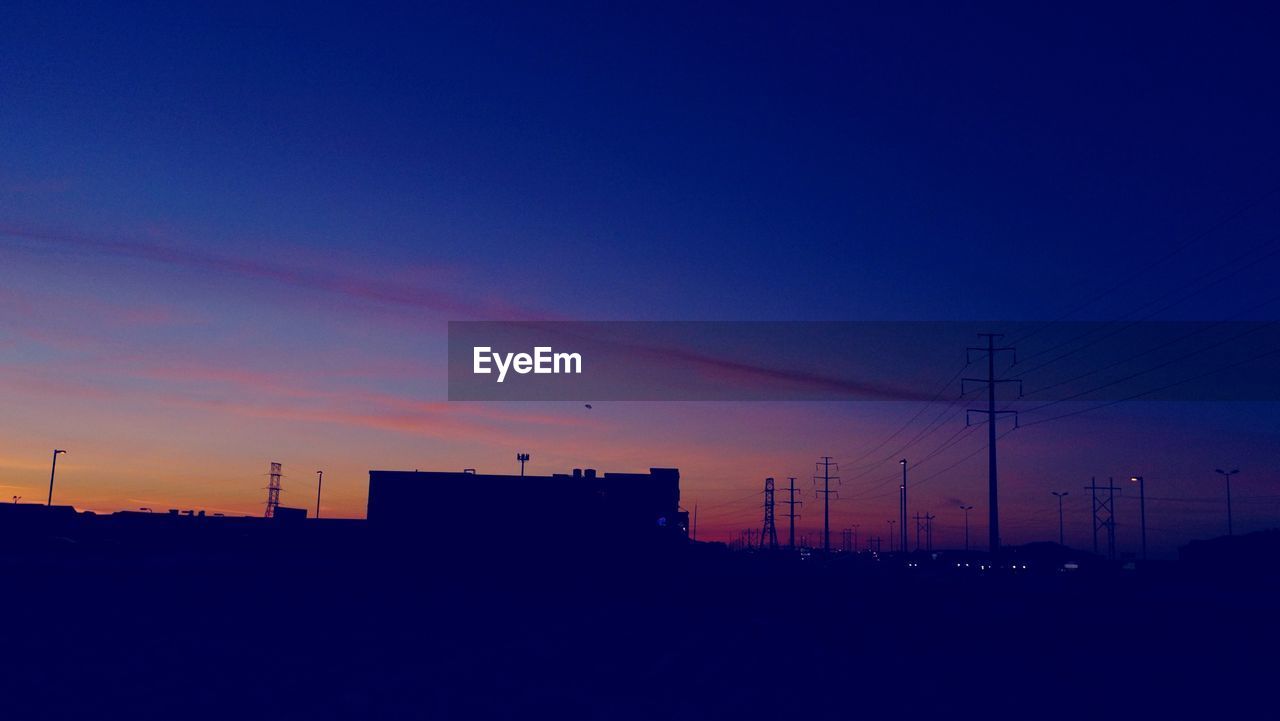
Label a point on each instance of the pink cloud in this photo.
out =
(377, 291)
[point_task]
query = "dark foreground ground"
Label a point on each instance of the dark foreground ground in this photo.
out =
(295, 634)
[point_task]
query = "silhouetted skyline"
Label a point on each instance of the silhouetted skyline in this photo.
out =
(231, 238)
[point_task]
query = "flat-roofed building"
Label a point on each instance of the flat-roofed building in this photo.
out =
(579, 507)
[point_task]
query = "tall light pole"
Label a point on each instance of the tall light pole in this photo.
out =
(1060, 495)
(522, 457)
(902, 509)
(1227, 475)
(891, 522)
(966, 510)
(53, 469)
(319, 485)
(1142, 505)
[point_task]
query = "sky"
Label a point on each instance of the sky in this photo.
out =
(235, 235)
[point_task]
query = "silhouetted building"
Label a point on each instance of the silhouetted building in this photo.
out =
(287, 514)
(448, 508)
(1257, 552)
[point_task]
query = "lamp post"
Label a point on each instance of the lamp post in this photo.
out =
(1142, 504)
(1227, 475)
(891, 536)
(1060, 495)
(966, 510)
(902, 509)
(53, 469)
(319, 485)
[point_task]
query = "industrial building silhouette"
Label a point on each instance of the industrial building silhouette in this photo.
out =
(582, 507)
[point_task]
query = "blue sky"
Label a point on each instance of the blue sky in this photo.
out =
(235, 186)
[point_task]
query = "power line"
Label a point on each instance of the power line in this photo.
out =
(912, 419)
(1200, 328)
(1252, 329)
(1148, 316)
(1147, 267)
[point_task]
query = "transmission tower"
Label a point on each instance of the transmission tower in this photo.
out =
(791, 514)
(991, 413)
(825, 466)
(768, 533)
(924, 524)
(273, 490)
(1104, 517)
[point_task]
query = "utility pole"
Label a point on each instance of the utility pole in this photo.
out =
(768, 532)
(791, 513)
(522, 457)
(846, 540)
(902, 508)
(53, 469)
(992, 414)
(855, 536)
(966, 510)
(825, 464)
(1228, 475)
(924, 524)
(319, 485)
(1142, 509)
(891, 536)
(1061, 536)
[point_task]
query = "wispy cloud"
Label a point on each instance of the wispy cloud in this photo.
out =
(381, 291)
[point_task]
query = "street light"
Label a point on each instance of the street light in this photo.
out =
(1227, 475)
(1142, 504)
(902, 509)
(1060, 495)
(319, 485)
(891, 522)
(52, 470)
(966, 510)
